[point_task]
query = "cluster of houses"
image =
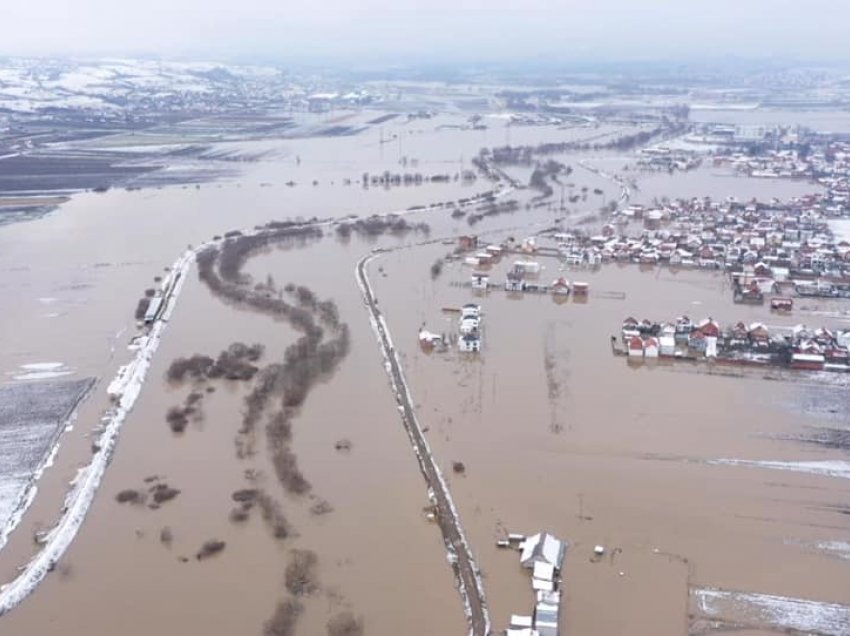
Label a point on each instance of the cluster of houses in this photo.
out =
(664, 159)
(543, 554)
(523, 275)
(486, 255)
(821, 160)
(788, 244)
(517, 280)
(796, 347)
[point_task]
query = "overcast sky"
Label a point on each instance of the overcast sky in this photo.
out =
(428, 30)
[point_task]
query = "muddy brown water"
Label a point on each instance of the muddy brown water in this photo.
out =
(72, 280)
(617, 458)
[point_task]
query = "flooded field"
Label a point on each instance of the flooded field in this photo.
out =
(678, 470)
(556, 433)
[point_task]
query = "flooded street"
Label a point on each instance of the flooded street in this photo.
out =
(678, 469)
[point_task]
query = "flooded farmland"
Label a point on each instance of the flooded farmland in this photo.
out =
(677, 469)
(618, 455)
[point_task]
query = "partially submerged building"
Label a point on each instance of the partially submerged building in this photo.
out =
(153, 309)
(561, 287)
(469, 343)
(469, 325)
(480, 281)
(543, 548)
(543, 554)
(755, 343)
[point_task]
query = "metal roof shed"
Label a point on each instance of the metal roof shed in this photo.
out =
(153, 309)
(520, 621)
(545, 571)
(545, 548)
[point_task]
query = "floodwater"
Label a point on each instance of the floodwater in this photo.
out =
(718, 183)
(558, 434)
(586, 446)
(72, 281)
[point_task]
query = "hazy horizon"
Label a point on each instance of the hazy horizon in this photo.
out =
(407, 32)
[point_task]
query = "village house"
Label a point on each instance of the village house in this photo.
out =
(759, 335)
(429, 340)
(480, 281)
(667, 346)
(469, 343)
(514, 281)
(469, 326)
(650, 348)
(635, 347)
(531, 268)
(561, 287)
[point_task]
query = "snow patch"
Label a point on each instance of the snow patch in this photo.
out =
(827, 619)
(827, 468)
(41, 375)
(837, 548)
(41, 371)
(43, 366)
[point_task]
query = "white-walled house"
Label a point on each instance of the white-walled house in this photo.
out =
(469, 343)
(650, 348)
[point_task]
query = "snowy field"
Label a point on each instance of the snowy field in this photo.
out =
(32, 416)
(790, 615)
(827, 468)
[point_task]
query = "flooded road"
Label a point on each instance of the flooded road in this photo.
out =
(555, 433)
(460, 552)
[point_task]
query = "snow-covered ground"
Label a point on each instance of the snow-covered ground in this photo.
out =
(839, 549)
(836, 548)
(41, 371)
(28, 85)
(827, 468)
(777, 612)
(32, 417)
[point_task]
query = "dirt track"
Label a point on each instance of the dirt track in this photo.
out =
(463, 563)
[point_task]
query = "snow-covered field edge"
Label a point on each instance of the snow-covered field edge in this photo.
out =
(31, 489)
(794, 615)
(125, 389)
(826, 468)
